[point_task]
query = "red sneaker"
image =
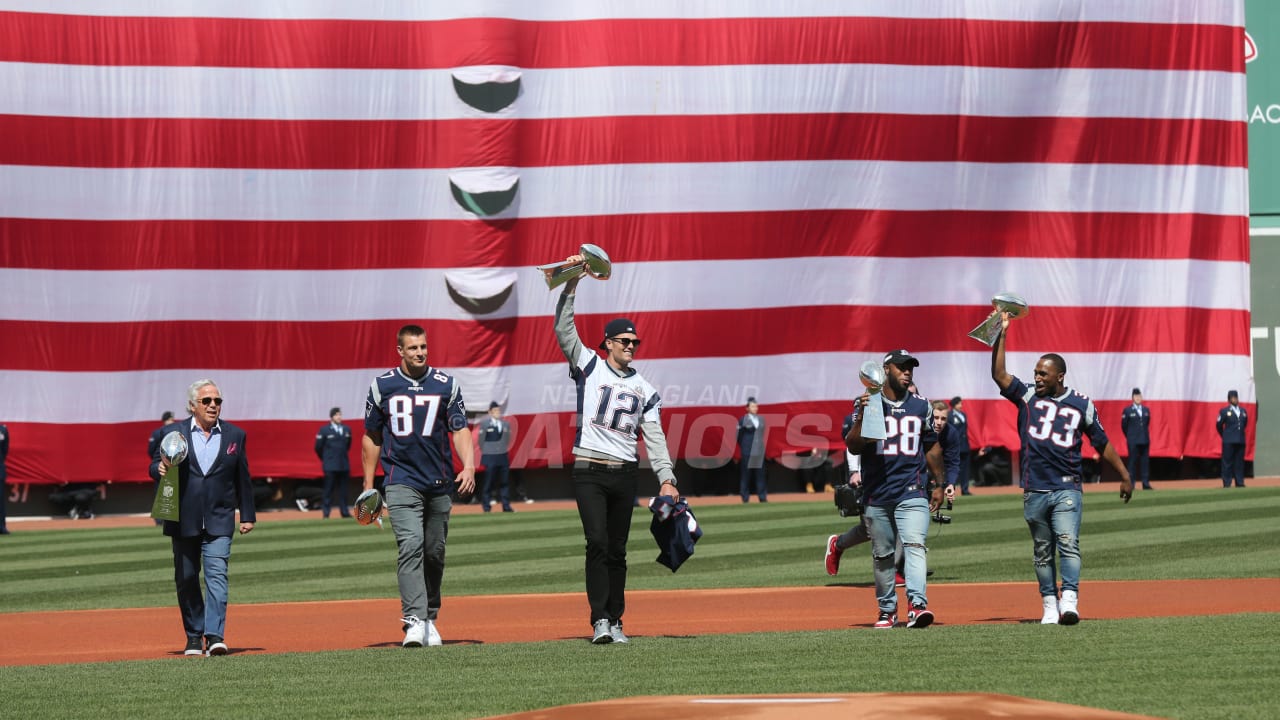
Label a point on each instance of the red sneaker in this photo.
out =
(919, 617)
(833, 555)
(887, 621)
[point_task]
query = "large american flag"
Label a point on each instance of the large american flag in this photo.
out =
(263, 191)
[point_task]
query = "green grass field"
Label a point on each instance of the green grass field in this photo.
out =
(1216, 667)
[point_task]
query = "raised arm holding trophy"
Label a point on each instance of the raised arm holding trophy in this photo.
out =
(616, 407)
(990, 329)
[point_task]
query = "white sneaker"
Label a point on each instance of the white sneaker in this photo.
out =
(600, 633)
(615, 629)
(415, 632)
(1068, 606)
(1050, 616)
(433, 635)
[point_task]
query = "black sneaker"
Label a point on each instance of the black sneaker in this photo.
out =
(195, 646)
(216, 646)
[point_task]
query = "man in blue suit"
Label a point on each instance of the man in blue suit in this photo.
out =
(751, 447)
(1232, 422)
(1135, 422)
(333, 442)
(213, 482)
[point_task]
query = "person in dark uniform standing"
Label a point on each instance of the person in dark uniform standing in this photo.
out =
(751, 446)
(333, 443)
(1135, 423)
(1232, 422)
(4, 489)
(958, 424)
(495, 443)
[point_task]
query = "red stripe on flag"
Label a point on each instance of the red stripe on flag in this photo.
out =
(303, 245)
(235, 42)
(118, 347)
(372, 144)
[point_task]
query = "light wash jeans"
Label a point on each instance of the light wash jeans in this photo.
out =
(908, 521)
(1054, 520)
(202, 613)
(421, 524)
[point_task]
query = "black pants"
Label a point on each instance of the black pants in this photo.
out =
(496, 475)
(963, 479)
(335, 493)
(1232, 464)
(606, 498)
(1140, 465)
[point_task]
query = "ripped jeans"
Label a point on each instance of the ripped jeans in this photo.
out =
(908, 521)
(1054, 519)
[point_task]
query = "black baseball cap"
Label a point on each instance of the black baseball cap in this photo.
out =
(900, 357)
(616, 327)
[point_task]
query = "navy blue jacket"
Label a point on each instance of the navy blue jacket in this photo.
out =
(332, 445)
(1232, 421)
(675, 529)
(959, 427)
(751, 440)
(1135, 422)
(208, 503)
(156, 436)
(495, 440)
(4, 453)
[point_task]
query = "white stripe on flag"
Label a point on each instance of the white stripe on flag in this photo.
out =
(240, 194)
(1180, 11)
(340, 94)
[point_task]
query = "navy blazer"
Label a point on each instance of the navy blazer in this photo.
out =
(1231, 424)
(208, 503)
(748, 442)
(332, 446)
(1134, 422)
(4, 452)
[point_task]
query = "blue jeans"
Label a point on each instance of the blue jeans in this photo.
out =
(908, 521)
(421, 523)
(202, 614)
(1054, 520)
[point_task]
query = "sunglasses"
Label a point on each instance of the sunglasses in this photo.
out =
(211, 401)
(627, 342)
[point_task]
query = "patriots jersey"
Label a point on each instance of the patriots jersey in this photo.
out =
(893, 469)
(1050, 429)
(415, 417)
(611, 406)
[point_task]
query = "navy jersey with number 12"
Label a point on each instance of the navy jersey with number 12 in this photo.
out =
(1050, 429)
(415, 417)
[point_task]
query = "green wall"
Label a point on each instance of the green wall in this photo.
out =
(1262, 20)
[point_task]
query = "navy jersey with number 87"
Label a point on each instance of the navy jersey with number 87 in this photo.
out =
(415, 417)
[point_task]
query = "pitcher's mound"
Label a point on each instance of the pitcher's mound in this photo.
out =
(922, 706)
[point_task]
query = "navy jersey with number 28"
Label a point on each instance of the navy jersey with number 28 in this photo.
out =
(894, 469)
(415, 417)
(1050, 429)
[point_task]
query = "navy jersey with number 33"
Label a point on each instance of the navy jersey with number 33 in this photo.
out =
(1050, 429)
(415, 418)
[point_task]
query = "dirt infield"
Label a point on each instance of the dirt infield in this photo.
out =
(921, 706)
(142, 633)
